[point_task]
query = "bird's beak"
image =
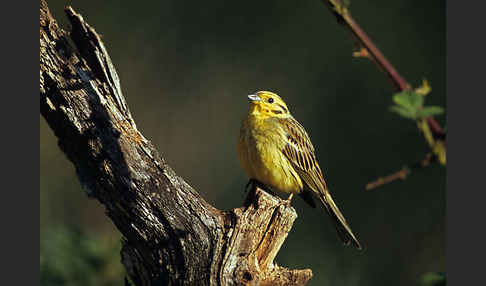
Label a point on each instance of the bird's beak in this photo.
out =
(254, 97)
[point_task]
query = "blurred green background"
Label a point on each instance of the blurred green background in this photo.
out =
(186, 68)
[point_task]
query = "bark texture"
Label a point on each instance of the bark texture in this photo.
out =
(171, 235)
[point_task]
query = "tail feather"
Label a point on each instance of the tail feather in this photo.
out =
(342, 227)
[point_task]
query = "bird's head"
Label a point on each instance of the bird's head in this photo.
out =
(267, 104)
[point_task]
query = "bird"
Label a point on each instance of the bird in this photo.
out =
(275, 151)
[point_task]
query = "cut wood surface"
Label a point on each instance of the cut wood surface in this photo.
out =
(171, 235)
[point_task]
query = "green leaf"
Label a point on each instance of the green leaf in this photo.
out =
(404, 112)
(409, 105)
(409, 100)
(416, 100)
(402, 99)
(430, 111)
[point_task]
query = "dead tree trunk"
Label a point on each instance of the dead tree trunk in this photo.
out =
(171, 236)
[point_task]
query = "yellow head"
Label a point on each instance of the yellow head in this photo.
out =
(267, 104)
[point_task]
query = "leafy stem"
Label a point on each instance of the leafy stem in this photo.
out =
(409, 103)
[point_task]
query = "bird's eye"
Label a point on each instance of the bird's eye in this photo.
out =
(270, 100)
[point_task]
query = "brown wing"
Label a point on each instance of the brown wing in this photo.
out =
(300, 152)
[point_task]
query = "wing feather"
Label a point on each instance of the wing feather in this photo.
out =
(300, 152)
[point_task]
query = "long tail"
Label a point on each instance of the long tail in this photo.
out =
(342, 227)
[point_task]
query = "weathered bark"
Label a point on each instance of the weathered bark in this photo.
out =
(171, 235)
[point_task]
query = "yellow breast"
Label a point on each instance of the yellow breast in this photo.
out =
(259, 151)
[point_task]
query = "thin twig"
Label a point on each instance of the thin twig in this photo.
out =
(401, 174)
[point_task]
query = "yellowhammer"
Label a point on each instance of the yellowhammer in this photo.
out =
(275, 150)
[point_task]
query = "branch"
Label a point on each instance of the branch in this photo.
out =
(401, 174)
(433, 133)
(344, 17)
(171, 235)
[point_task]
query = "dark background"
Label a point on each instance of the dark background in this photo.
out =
(186, 68)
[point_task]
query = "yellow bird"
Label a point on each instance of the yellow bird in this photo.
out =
(275, 150)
